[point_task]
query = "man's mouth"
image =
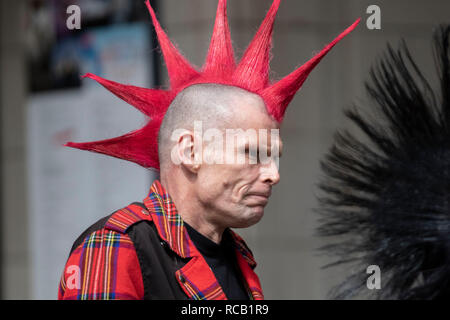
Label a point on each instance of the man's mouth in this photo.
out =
(259, 198)
(265, 194)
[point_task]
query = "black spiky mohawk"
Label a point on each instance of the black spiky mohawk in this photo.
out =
(386, 199)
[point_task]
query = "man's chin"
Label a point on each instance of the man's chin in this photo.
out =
(252, 216)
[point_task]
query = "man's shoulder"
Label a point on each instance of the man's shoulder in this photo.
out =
(117, 222)
(103, 262)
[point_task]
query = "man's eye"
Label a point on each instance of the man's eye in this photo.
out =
(253, 154)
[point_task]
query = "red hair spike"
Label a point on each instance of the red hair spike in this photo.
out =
(179, 69)
(130, 146)
(252, 72)
(220, 59)
(151, 102)
(279, 95)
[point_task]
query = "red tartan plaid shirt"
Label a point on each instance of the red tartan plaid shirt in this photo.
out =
(105, 264)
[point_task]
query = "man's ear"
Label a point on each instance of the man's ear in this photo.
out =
(186, 151)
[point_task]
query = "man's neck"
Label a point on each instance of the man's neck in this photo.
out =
(191, 211)
(206, 229)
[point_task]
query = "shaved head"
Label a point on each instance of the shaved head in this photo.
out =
(215, 105)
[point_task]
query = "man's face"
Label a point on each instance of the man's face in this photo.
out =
(237, 191)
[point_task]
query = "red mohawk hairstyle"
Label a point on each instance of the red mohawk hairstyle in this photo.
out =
(251, 74)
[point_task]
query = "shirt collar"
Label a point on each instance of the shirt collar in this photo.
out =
(208, 247)
(171, 228)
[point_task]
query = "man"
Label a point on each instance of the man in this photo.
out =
(178, 244)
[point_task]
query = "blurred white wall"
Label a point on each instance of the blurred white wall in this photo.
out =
(15, 257)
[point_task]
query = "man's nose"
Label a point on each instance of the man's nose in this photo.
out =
(270, 173)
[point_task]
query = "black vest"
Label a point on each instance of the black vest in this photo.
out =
(157, 261)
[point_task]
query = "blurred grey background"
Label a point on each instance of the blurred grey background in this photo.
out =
(48, 196)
